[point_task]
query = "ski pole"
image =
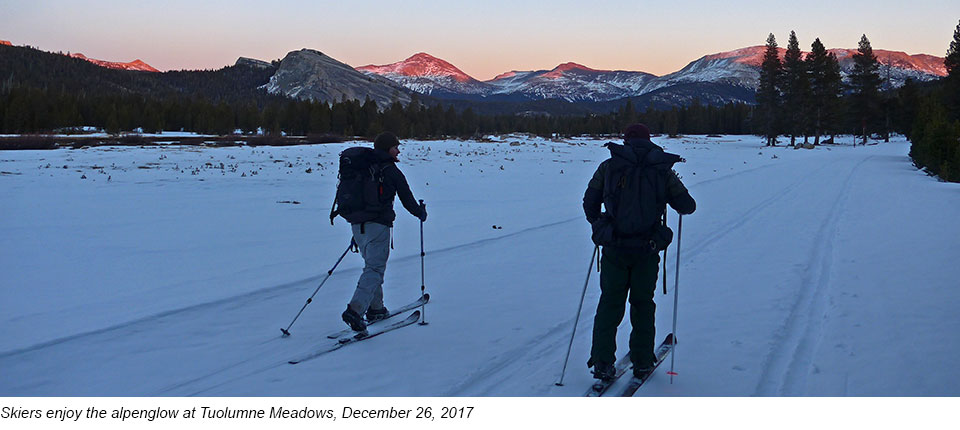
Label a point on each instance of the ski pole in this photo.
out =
(286, 331)
(676, 285)
(423, 288)
(575, 322)
(664, 257)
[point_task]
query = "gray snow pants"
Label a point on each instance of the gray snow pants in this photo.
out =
(374, 244)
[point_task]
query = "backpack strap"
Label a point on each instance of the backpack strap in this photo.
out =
(333, 211)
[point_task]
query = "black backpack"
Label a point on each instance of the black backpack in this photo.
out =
(634, 198)
(360, 186)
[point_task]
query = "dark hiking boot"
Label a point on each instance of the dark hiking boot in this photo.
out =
(354, 320)
(604, 371)
(642, 372)
(377, 314)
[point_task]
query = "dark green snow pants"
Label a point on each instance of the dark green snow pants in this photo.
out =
(624, 274)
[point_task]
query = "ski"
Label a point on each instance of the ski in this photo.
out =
(601, 386)
(360, 337)
(416, 304)
(662, 351)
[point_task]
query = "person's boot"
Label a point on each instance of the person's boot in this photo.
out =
(354, 320)
(642, 372)
(604, 371)
(374, 315)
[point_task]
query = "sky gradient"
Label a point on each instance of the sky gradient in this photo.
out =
(482, 38)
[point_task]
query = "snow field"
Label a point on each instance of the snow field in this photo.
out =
(821, 272)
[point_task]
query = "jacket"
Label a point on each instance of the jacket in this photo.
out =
(394, 185)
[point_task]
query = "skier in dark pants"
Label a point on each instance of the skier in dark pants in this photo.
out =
(373, 234)
(631, 241)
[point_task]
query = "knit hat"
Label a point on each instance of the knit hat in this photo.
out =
(385, 141)
(636, 131)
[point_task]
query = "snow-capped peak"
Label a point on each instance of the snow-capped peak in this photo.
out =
(922, 63)
(752, 55)
(558, 71)
(420, 65)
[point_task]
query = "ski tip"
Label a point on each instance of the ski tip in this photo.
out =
(293, 362)
(426, 297)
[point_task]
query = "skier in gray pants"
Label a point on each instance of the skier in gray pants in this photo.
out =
(373, 236)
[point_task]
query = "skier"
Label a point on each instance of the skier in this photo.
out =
(631, 234)
(371, 232)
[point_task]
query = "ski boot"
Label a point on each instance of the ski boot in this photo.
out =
(374, 315)
(604, 371)
(354, 320)
(642, 373)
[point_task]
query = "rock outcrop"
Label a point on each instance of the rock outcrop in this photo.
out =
(310, 75)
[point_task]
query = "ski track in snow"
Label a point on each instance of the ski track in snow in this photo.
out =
(745, 217)
(785, 369)
(204, 379)
(525, 364)
(241, 299)
(500, 368)
(503, 367)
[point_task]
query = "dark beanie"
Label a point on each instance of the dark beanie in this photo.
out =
(385, 141)
(636, 131)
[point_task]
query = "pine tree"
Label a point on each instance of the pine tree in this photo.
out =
(768, 93)
(627, 114)
(823, 71)
(112, 125)
(865, 83)
(795, 88)
(952, 87)
(952, 60)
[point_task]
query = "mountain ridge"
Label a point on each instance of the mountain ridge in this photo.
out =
(137, 65)
(575, 82)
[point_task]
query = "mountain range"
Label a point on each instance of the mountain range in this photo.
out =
(714, 79)
(573, 82)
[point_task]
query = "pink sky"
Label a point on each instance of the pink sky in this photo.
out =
(483, 39)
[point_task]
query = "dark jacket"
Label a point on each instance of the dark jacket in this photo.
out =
(633, 150)
(394, 184)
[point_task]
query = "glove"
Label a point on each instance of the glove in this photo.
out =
(423, 213)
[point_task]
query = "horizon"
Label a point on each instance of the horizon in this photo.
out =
(181, 35)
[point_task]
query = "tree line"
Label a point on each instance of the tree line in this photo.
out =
(806, 97)
(42, 92)
(26, 109)
(935, 131)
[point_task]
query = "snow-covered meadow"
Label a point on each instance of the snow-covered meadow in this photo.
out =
(168, 271)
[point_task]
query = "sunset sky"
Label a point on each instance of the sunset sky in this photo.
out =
(482, 38)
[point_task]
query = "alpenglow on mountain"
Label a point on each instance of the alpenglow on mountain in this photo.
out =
(137, 65)
(429, 75)
(719, 78)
